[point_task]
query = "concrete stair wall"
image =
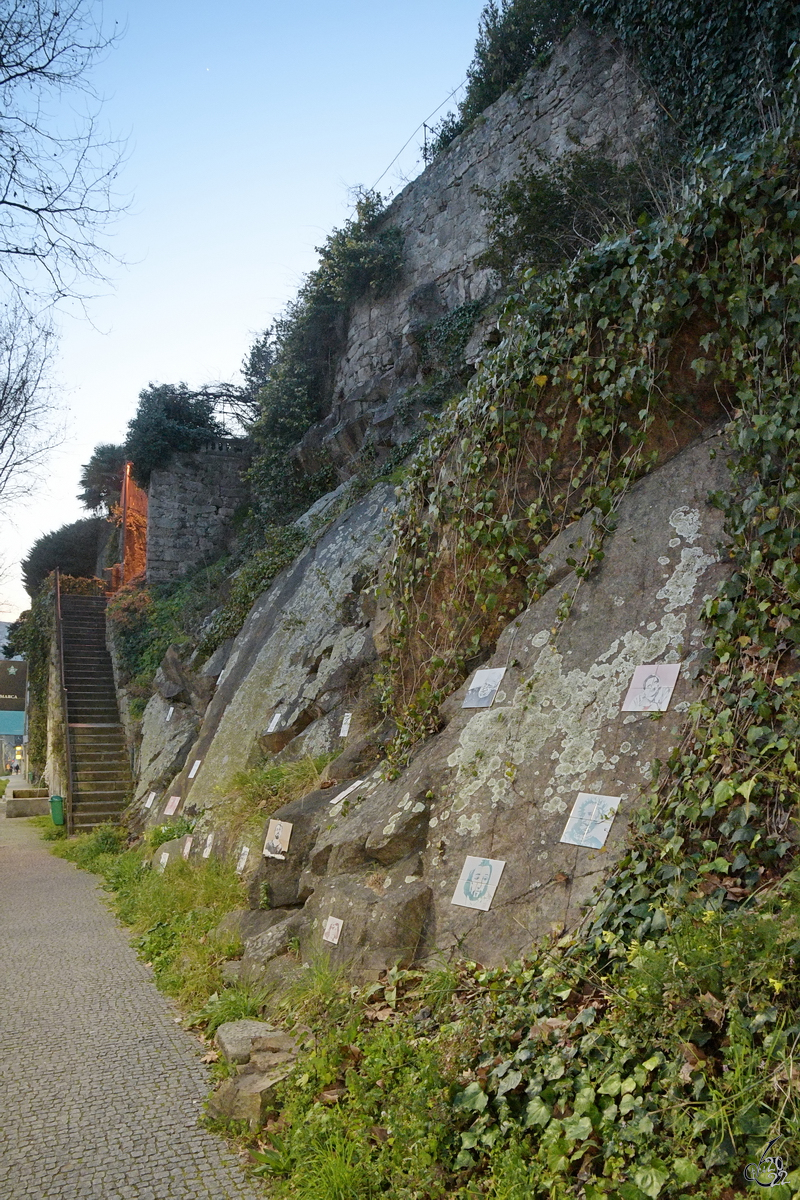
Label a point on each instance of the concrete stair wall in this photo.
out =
(102, 784)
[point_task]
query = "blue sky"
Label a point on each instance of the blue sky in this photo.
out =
(247, 128)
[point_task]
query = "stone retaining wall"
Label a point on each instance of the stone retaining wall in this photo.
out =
(191, 506)
(587, 96)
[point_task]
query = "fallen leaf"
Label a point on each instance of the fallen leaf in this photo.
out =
(379, 1133)
(378, 1013)
(211, 1057)
(693, 1058)
(332, 1094)
(713, 1008)
(546, 1028)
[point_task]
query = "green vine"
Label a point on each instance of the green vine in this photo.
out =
(302, 351)
(31, 636)
(719, 69)
(283, 544)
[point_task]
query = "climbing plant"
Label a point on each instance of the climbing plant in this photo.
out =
(719, 69)
(31, 636)
(574, 405)
(301, 352)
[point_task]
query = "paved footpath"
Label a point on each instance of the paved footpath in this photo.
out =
(100, 1088)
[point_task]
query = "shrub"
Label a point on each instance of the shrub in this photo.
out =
(299, 355)
(145, 621)
(552, 210)
(513, 36)
(283, 544)
(72, 548)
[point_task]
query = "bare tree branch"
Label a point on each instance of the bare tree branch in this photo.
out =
(26, 407)
(57, 169)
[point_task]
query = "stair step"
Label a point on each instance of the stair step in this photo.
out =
(107, 780)
(91, 706)
(87, 800)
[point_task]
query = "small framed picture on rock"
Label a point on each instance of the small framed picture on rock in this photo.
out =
(478, 882)
(332, 930)
(590, 820)
(278, 835)
(651, 688)
(483, 688)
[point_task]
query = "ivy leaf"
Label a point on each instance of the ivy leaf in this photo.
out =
(472, 1099)
(537, 1112)
(650, 1180)
(577, 1128)
(511, 1081)
(686, 1171)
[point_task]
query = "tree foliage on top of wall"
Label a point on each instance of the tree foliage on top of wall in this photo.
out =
(72, 548)
(170, 418)
(101, 478)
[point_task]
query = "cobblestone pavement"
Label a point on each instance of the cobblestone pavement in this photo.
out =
(100, 1088)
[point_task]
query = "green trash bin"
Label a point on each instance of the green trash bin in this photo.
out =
(57, 809)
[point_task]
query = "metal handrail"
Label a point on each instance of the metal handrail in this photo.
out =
(64, 709)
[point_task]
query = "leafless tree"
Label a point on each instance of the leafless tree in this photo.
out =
(26, 411)
(57, 172)
(57, 169)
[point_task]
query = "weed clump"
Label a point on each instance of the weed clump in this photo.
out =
(255, 794)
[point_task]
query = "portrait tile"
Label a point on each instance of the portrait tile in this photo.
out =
(483, 688)
(590, 820)
(478, 882)
(651, 688)
(278, 835)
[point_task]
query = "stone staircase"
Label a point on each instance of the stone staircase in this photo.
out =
(101, 775)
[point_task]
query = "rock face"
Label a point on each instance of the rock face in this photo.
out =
(168, 732)
(587, 96)
(300, 658)
(496, 783)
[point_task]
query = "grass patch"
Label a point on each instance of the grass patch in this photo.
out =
(160, 834)
(253, 795)
(170, 914)
(46, 829)
(235, 1003)
(95, 851)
